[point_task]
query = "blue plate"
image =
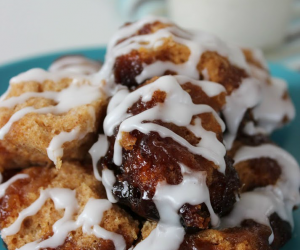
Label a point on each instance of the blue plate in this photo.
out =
(288, 137)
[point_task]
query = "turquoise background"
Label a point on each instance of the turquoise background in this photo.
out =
(288, 137)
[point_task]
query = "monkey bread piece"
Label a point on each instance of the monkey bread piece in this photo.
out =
(275, 108)
(249, 236)
(257, 111)
(155, 47)
(49, 116)
(162, 136)
(74, 189)
(270, 186)
(261, 163)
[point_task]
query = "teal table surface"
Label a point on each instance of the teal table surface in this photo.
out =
(288, 137)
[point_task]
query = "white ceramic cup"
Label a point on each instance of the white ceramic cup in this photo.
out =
(251, 23)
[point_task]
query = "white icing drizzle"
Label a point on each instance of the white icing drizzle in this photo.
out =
(241, 99)
(168, 199)
(62, 198)
(88, 220)
(108, 178)
(75, 64)
(108, 181)
(246, 96)
(91, 217)
(251, 129)
(55, 150)
(97, 151)
(262, 202)
(177, 108)
(6, 184)
(273, 108)
(229, 140)
(205, 74)
(117, 99)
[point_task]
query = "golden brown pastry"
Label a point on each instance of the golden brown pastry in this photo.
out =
(71, 182)
(51, 118)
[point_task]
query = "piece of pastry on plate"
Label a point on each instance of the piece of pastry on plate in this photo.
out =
(270, 179)
(48, 117)
(165, 140)
(46, 208)
(155, 46)
(262, 217)
(275, 108)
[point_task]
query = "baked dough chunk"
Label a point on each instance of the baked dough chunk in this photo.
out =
(270, 174)
(39, 227)
(155, 47)
(156, 149)
(52, 117)
(275, 108)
